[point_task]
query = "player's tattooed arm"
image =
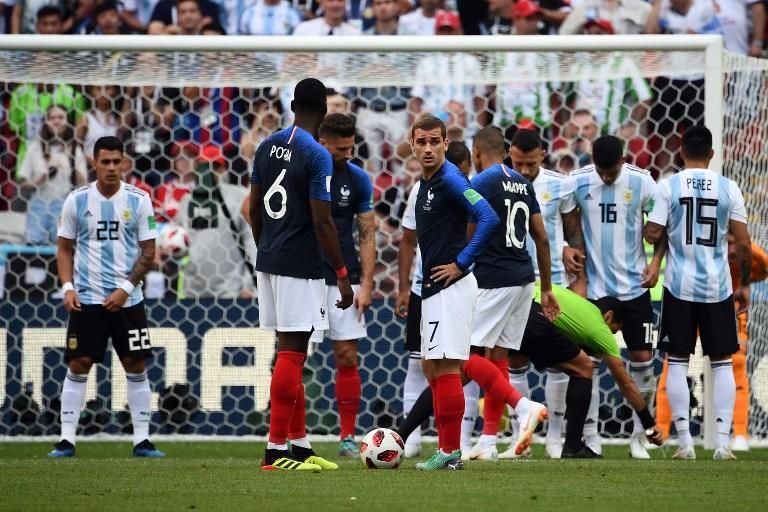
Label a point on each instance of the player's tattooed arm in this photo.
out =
(144, 263)
(573, 234)
(366, 226)
(743, 247)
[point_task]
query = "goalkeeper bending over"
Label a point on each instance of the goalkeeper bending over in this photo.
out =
(581, 326)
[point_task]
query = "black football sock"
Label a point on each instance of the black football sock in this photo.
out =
(300, 453)
(419, 413)
(577, 400)
(271, 455)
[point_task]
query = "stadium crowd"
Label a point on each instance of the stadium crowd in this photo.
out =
(185, 142)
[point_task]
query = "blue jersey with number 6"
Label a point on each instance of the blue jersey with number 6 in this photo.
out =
(291, 167)
(506, 261)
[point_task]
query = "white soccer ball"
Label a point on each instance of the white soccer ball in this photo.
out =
(382, 448)
(174, 241)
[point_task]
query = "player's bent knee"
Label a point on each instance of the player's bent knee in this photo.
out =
(80, 365)
(345, 353)
(640, 356)
(133, 364)
(517, 359)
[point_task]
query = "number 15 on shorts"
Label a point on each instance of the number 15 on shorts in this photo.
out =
(138, 339)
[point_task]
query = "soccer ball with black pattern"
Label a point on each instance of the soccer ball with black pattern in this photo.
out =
(382, 448)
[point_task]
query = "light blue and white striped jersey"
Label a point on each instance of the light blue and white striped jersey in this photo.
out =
(552, 189)
(696, 206)
(409, 222)
(107, 232)
(612, 221)
(260, 19)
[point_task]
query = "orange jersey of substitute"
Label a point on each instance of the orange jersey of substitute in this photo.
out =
(759, 267)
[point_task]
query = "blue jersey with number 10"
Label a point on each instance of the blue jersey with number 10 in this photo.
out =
(291, 167)
(506, 262)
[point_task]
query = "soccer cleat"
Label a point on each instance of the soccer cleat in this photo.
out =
(554, 449)
(147, 449)
(594, 443)
(509, 453)
(723, 453)
(62, 449)
(581, 452)
(535, 415)
(412, 450)
(287, 464)
(322, 463)
(442, 461)
(348, 448)
(685, 453)
(483, 452)
(740, 444)
(637, 448)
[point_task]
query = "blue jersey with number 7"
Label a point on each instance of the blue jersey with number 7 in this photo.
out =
(291, 167)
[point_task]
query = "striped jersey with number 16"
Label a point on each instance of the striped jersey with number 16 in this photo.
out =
(612, 221)
(696, 206)
(107, 232)
(292, 168)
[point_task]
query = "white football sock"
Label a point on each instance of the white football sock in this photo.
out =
(642, 374)
(680, 399)
(554, 394)
(139, 402)
(724, 386)
(415, 383)
(302, 443)
(593, 414)
(471, 397)
(72, 398)
(518, 377)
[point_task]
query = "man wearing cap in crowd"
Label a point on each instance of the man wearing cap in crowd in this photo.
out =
(220, 245)
(625, 16)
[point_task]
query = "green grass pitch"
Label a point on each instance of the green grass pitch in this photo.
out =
(226, 476)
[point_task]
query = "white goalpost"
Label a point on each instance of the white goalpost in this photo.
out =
(256, 72)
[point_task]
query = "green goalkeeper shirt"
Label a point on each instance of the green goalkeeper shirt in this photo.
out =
(581, 321)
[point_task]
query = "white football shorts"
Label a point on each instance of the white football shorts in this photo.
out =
(501, 315)
(446, 321)
(344, 325)
(291, 304)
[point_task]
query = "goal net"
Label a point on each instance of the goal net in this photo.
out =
(192, 111)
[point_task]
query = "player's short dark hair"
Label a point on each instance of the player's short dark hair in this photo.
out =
(697, 141)
(489, 139)
(337, 125)
(49, 10)
(526, 140)
(309, 96)
(606, 304)
(457, 153)
(607, 151)
(108, 143)
(428, 122)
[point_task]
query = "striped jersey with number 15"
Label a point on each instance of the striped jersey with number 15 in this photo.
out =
(696, 206)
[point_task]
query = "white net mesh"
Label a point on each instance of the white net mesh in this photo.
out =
(183, 113)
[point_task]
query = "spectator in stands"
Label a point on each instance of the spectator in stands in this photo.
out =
(626, 16)
(29, 102)
(612, 102)
(265, 122)
(268, 18)
(526, 18)
(101, 119)
(106, 20)
(564, 161)
(447, 69)
(500, 17)
(148, 117)
(131, 178)
(385, 18)
(420, 21)
(52, 166)
(42, 17)
(210, 116)
(221, 245)
(169, 195)
(735, 17)
(683, 17)
(186, 17)
(331, 23)
(135, 14)
(578, 136)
